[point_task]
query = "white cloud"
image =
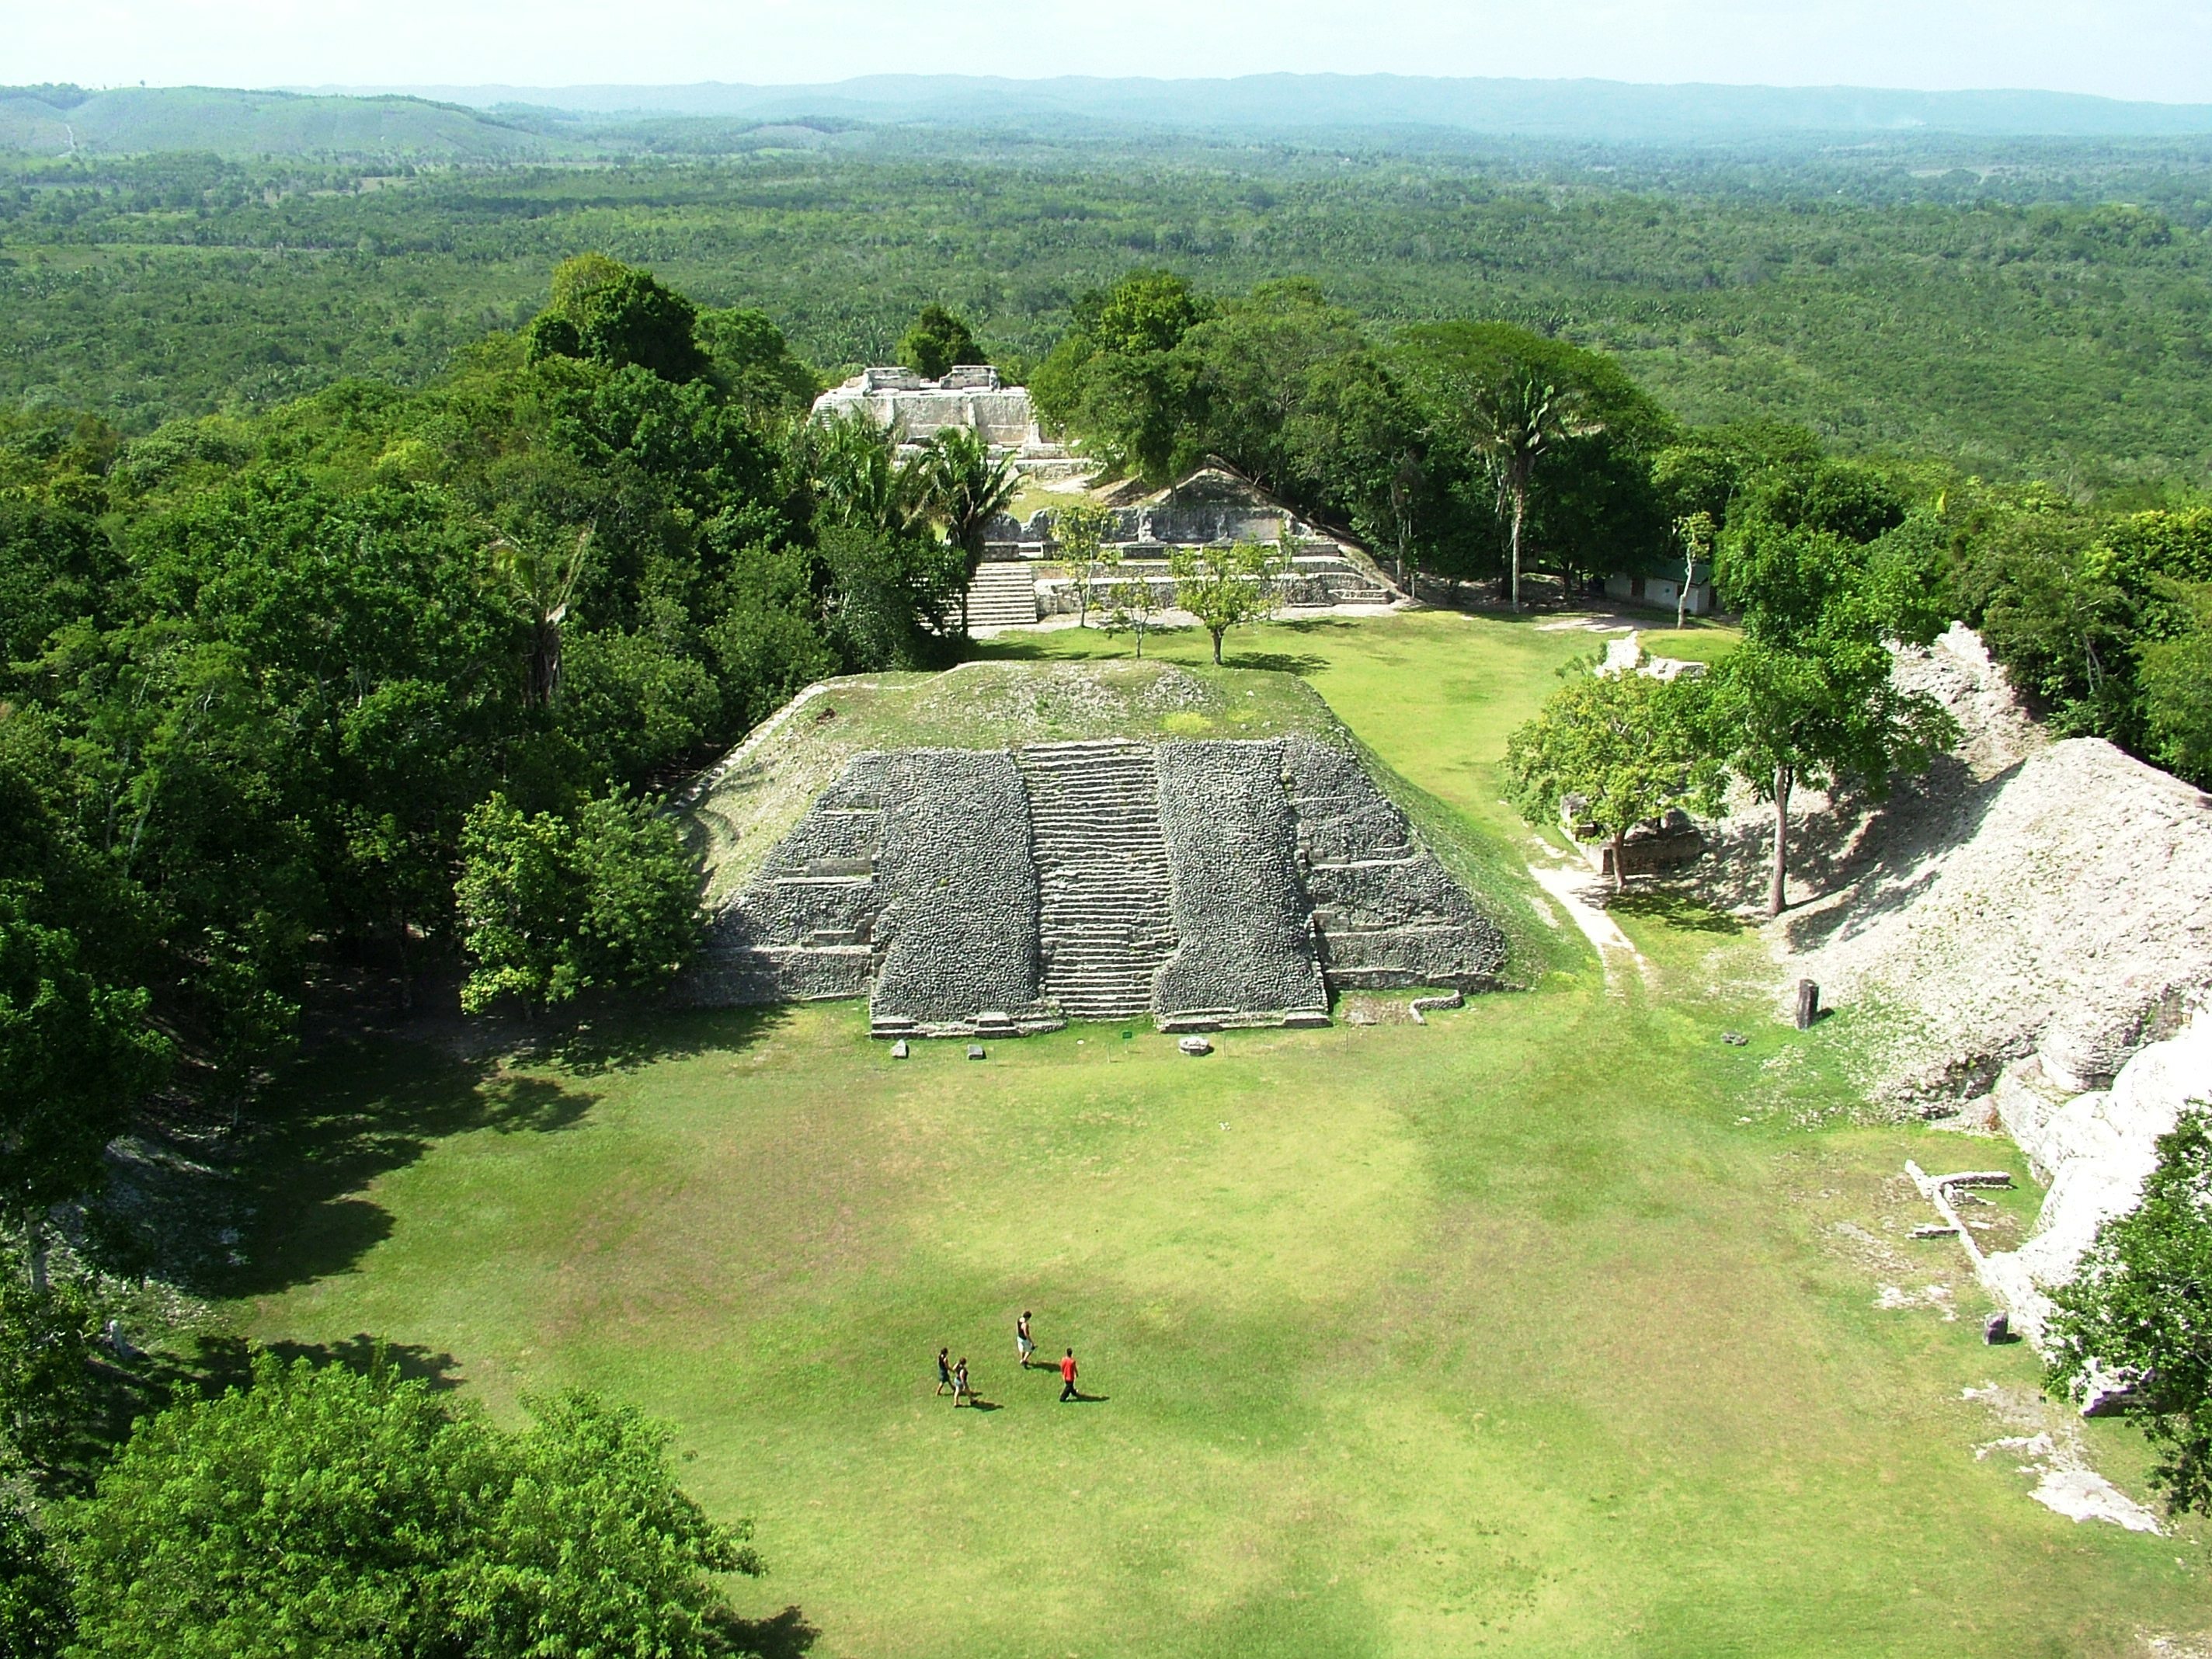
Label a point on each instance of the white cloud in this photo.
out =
(2122, 48)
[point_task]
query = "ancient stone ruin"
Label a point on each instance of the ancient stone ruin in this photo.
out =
(1024, 578)
(969, 397)
(1200, 884)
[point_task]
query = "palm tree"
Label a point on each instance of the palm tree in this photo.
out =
(1513, 423)
(544, 579)
(963, 486)
(857, 476)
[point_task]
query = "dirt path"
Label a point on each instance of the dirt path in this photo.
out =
(1580, 892)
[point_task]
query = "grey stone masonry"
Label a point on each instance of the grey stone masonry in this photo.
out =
(975, 892)
(1002, 595)
(803, 927)
(1387, 913)
(1245, 954)
(958, 929)
(1102, 875)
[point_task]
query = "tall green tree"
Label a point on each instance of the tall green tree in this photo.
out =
(542, 575)
(1114, 379)
(1079, 530)
(1627, 745)
(2176, 676)
(1230, 585)
(45, 1377)
(1583, 433)
(553, 908)
(1807, 698)
(2140, 1306)
(936, 342)
(319, 1511)
(748, 354)
(962, 486)
(1132, 604)
(619, 315)
(35, 1600)
(75, 1055)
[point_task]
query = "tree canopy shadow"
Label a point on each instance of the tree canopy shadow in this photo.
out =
(619, 1040)
(785, 1635)
(1281, 662)
(1863, 858)
(220, 1362)
(1682, 911)
(283, 1199)
(348, 1114)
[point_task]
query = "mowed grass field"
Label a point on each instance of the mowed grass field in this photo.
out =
(1547, 1329)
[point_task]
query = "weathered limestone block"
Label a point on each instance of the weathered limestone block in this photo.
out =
(969, 892)
(959, 926)
(2099, 1148)
(1387, 913)
(807, 909)
(800, 930)
(1245, 947)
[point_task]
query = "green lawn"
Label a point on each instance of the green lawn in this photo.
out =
(1698, 643)
(1547, 1329)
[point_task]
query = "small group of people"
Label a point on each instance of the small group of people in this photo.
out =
(952, 1376)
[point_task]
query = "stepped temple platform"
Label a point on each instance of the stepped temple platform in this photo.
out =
(1199, 885)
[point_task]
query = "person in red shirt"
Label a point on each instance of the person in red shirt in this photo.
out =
(1067, 1377)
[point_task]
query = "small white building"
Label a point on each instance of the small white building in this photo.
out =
(1660, 592)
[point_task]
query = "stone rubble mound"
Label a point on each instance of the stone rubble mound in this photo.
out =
(1202, 885)
(2096, 1149)
(2025, 898)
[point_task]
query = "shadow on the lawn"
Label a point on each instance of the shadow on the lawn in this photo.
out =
(785, 1635)
(1281, 662)
(223, 1362)
(621, 1040)
(359, 1110)
(1679, 910)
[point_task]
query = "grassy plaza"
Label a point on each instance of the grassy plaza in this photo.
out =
(1548, 1327)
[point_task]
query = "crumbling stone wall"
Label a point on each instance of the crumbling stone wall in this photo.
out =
(802, 929)
(915, 881)
(957, 931)
(1244, 952)
(1387, 912)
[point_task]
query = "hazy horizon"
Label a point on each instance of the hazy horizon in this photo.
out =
(2138, 51)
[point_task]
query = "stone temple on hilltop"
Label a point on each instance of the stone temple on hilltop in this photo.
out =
(970, 397)
(1197, 884)
(1022, 580)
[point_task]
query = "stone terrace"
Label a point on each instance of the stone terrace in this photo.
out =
(1206, 885)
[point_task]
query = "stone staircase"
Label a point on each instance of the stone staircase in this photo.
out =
(1003, 595)
(1104, 923)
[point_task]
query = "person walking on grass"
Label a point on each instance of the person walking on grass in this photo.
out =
(960, 1389)
(945, 1373)
(1067, 1378)
(1023, 1346)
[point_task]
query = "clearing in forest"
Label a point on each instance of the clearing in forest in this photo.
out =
(1554, 1326)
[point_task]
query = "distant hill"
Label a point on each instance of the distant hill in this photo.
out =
(504, 123)
(55, 120)
(1601, 110)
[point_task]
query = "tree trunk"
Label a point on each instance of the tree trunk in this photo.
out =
(1682, 599)
(1217, 633)
(1776, 898)
(406, 968)
(1619, 860)
(545, 664)
(1520, 512)
(34, 1239)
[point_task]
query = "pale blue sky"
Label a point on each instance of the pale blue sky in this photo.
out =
(2122, 48)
